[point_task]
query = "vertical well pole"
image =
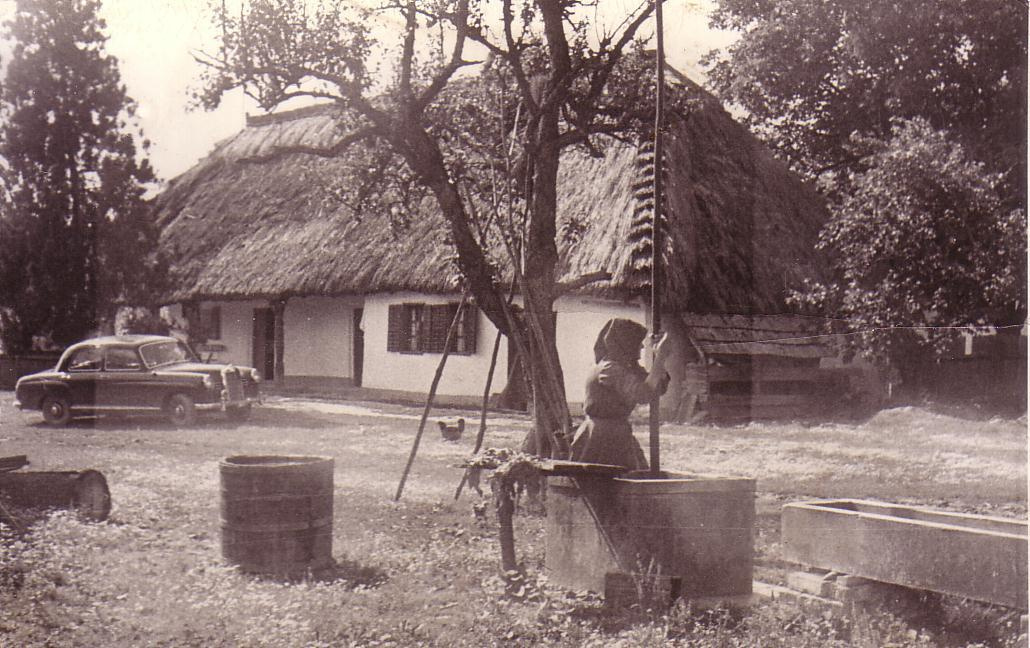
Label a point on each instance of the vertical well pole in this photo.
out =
(656, 229)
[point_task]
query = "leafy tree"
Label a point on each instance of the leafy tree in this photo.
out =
(482, 137)
(912, 116)
(810, 73)
(923, 239)
(75, 232)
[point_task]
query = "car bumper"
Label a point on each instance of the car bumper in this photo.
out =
(19, 405)
(224, 405)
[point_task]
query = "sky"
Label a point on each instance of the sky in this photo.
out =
(153, 41)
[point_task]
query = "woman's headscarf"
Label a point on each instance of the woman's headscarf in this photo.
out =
(619, 339)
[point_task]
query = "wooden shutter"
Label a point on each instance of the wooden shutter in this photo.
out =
(440, 316)
(396, 329)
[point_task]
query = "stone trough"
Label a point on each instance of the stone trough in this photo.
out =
(972, 556)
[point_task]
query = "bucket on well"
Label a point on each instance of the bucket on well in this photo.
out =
(277, 513)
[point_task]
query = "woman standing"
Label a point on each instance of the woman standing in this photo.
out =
(616, 385)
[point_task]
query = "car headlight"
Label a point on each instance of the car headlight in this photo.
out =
(255, 375)
(209, 383)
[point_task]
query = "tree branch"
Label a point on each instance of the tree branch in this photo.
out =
(408, 50)
(460, 21)
(564, 287)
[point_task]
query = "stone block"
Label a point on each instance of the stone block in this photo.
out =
(804, 601)
(817, 583)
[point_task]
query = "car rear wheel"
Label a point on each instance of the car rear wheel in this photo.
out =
(56, 410)
(181, 410)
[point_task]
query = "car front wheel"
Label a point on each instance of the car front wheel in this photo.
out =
(181, 410)
(56, 410)
(238, 414)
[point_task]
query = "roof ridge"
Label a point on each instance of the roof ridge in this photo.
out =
(288, 115)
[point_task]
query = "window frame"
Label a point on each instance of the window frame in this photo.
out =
(70, 364)
(135, 352)
(210, 321)
(433, 322)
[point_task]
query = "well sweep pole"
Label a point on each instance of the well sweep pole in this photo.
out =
(656, 230)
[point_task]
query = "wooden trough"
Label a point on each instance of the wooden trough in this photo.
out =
(972, 556)
(84, 491)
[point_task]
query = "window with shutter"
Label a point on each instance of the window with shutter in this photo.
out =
(422, 328)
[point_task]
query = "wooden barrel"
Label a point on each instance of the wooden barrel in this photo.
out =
(277, 513)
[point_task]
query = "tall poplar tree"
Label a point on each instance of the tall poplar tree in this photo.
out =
(75, 233)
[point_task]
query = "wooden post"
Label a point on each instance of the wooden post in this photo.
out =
(432, 395)
(278, 311)
(506, 527)
(654, 417)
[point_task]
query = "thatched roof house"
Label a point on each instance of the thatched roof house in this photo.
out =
(257, 235)
(743, 228)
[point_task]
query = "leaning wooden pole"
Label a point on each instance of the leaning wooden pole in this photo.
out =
(431, 396)
(482, 412)
(654, 418)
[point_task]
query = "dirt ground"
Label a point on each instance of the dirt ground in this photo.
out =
(422, 571)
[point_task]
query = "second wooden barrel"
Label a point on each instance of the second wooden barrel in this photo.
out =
(277, 513)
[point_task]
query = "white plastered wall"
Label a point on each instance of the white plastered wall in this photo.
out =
(237, 330)
(318, 336)
(317, 332)
(463, 375)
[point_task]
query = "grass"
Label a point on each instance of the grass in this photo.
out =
(424, 571)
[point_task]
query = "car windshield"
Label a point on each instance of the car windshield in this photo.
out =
(156, 354)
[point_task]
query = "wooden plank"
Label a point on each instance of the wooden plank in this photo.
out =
(559, 468)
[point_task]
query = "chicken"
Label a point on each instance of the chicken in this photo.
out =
(452, 432)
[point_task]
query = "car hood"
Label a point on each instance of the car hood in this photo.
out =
(211, 369)
(39, 375)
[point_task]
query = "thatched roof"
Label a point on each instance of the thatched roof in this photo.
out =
(743, 228)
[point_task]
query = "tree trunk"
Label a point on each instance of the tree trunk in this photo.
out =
(535, 331)
(550, 407)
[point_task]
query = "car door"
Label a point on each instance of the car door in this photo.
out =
(123, 383)
(81, 374)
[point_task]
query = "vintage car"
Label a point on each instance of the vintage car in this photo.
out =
(133, 374)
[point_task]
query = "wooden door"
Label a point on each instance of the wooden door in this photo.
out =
(263, 349)
(359, 346)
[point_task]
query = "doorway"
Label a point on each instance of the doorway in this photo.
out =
(359, 346)
(263, 350)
